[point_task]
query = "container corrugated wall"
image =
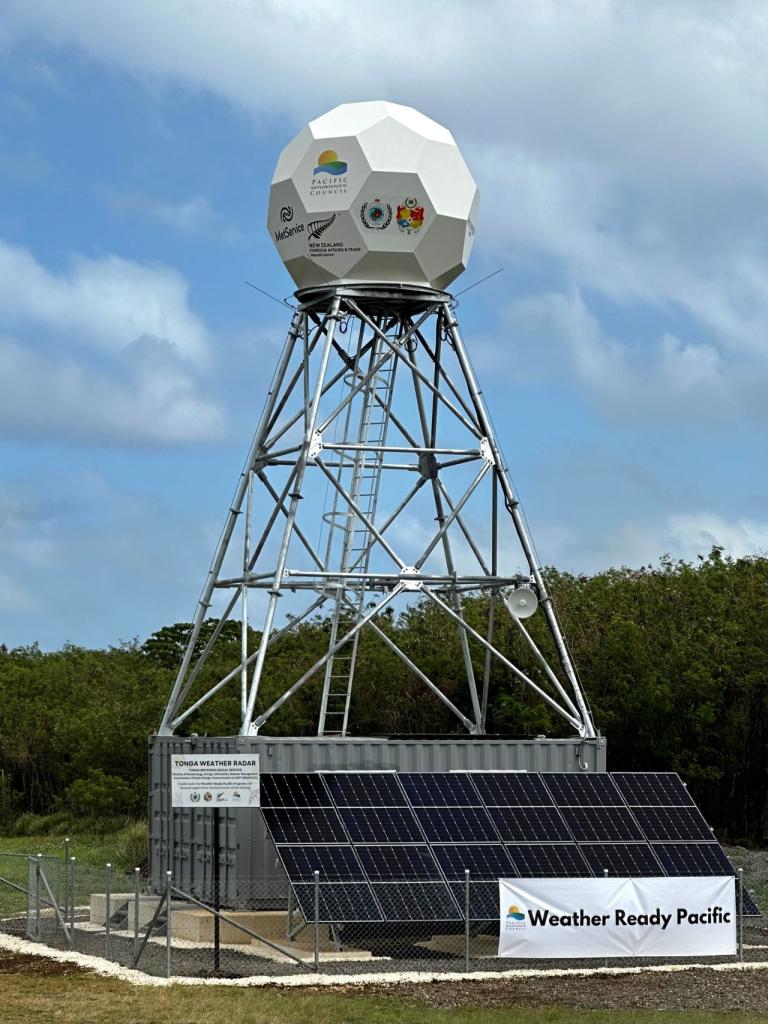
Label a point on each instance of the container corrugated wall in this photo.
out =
(181, 838)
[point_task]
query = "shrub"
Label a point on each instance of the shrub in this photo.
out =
(100, 796)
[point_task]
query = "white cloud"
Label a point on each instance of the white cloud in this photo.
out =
(683, 535)
(67, 537)
(556, 335)
(106, 303)
(630, 83)
(621, 139)
(193, 216)
(109, 350)
(141, 398)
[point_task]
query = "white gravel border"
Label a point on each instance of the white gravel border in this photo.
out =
(99, 965)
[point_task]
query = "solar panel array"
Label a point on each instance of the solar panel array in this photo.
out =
(395, 847)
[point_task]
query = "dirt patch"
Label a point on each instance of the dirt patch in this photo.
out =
(38, 966)
(685, 990)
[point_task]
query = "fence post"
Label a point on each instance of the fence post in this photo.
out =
(605, 875)
(38, 863)
(741, 913)
(108, 909)
(65, 881)
(466, 918)
(168, 896)
(317, 920)
(72, 899)
(136, 907)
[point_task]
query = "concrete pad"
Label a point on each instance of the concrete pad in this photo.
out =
(197, 925)
(479, 945)
(122, 901)
(327, 955)
(99, 905)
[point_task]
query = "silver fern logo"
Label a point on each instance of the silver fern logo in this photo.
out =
(318, 227)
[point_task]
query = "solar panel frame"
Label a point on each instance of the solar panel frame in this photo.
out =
(653, 789)
(416, 901)
(335, 863)
(602, 824)
(339, 901)
(625, 860)
(593, 790)
(692, 860)
(483, 899)
(675, 824)
(548, 859)
(460, 824)
(398, 863)
(365, 789)
(511, 789)
(530, 824)
(381, 824)
(440, 789)
(485, 862)
(307, 826)
(294, 789)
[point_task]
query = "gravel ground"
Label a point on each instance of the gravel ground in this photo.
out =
(683, 990)
(695, 989)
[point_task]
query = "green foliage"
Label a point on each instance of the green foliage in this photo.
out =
(673, 657)
(99, 795)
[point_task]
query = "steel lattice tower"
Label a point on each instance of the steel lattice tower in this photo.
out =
(374, 479)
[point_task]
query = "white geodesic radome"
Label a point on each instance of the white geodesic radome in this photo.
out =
(373, 193)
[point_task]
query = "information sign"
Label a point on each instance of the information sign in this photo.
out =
(215, 780)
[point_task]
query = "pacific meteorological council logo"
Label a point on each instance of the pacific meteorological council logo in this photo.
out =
(328, 163)
(515, 918)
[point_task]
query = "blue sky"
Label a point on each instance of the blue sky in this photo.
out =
(622, 158)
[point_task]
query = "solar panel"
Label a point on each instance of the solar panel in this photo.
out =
(463, 824)
(398, 863)
(510, 790)
(301, 789)
(568, 789)
(601, 823)
(447, 789)
(416, 901)
(653, 790)
(483, 899)
(307, 825)
(693, 859)
(682, 823)
(381, 825)
(558, 860)
(335, 863)
(483, 862)
(374, 789)
(396, 847)
(632, 860)
(339, 901)
(529, 824)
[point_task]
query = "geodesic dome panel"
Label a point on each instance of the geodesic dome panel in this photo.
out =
(373, 193)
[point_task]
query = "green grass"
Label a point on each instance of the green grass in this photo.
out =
(84, 999)
(123, 848)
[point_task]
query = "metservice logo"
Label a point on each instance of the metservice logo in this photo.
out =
(328, 163)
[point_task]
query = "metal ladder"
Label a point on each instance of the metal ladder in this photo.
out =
(365, 476)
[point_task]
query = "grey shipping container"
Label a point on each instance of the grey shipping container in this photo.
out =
(181, 839)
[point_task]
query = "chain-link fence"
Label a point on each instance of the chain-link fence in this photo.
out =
(269, 929)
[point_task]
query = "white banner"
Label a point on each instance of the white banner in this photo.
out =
(215, 780)
(598, 917)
